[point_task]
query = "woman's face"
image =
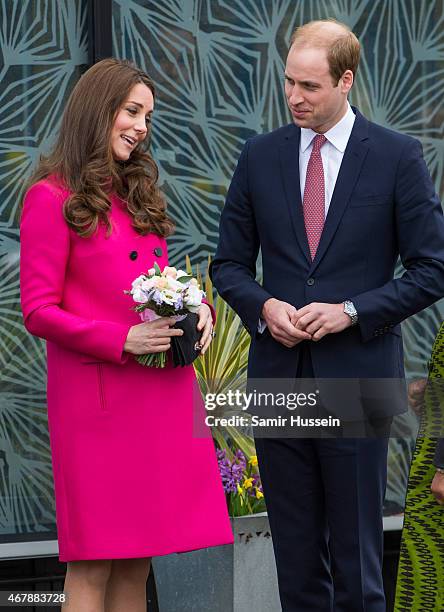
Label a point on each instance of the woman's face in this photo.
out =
(131, 122)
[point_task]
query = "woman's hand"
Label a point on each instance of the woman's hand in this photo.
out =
(416, 392)
(437, 488)
(205, 324)
(151, 337)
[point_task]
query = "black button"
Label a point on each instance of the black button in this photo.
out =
(158, 252)
(133, 255)
(310, 282)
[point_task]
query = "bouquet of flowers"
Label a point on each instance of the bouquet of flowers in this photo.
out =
(241, 482)
(169, 293)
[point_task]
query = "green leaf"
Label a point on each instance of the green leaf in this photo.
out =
(184, 279)
(224, 367)
(157, 269)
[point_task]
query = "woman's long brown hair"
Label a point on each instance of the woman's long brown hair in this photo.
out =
(82, 156)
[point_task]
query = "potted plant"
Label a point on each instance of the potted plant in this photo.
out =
(242, 577)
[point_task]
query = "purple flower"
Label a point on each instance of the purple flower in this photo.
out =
(178, 304)
(240, 458)
(231, 472)
(157, 297)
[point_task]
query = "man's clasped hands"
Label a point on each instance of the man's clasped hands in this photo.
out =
(290, 326)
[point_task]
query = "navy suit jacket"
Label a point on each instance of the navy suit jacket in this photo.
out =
(384, 206)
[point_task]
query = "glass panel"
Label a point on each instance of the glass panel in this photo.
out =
(43, 52)
(218, 67)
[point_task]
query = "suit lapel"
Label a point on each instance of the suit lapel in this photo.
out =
(289, 160)
(354, 156)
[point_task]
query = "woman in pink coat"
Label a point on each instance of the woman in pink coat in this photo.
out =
(131, 481)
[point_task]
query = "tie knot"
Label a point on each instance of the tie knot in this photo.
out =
(318, 141)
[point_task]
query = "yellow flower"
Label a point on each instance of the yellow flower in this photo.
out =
(253, 461)
(259, 494)
(239, 489)
(248, 483)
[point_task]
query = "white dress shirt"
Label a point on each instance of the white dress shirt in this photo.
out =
(332, 153)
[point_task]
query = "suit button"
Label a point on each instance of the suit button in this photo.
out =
(311, 282)
(158, 252)
(133, 255)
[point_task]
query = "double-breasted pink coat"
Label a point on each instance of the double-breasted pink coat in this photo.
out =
(131, 479)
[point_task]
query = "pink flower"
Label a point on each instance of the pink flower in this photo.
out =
(170, 271)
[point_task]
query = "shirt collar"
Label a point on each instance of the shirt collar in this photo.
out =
(338, 135)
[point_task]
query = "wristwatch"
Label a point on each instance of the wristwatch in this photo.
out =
(349, 308)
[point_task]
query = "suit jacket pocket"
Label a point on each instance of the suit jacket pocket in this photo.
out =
(370, 200)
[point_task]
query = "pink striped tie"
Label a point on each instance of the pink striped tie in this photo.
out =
(314, 196)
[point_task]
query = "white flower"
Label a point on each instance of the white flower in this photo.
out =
(160, 282)
(175, 285)
(181, 273)
(169, 297)
(139, 295)
(170, 271)
(148, 284)
(193, 298)
(137, 282)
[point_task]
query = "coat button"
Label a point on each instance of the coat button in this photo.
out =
(311, 282)
(158, 252)
(133, 255)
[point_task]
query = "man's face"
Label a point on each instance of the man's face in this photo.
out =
(312, 98)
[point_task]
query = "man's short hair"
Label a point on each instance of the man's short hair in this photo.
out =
(343, 48)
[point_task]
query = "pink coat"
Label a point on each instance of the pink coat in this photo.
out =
(130, 478)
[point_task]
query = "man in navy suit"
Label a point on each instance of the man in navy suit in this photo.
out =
(332, 200)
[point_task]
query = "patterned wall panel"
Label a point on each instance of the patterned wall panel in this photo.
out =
(43, 46)
(218, 66)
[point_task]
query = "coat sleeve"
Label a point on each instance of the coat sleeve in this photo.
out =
(233, 269)
(45, 244)
(420, 234)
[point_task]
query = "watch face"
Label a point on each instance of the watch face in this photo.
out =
(350, 310)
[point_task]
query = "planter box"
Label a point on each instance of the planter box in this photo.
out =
(238, 578)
